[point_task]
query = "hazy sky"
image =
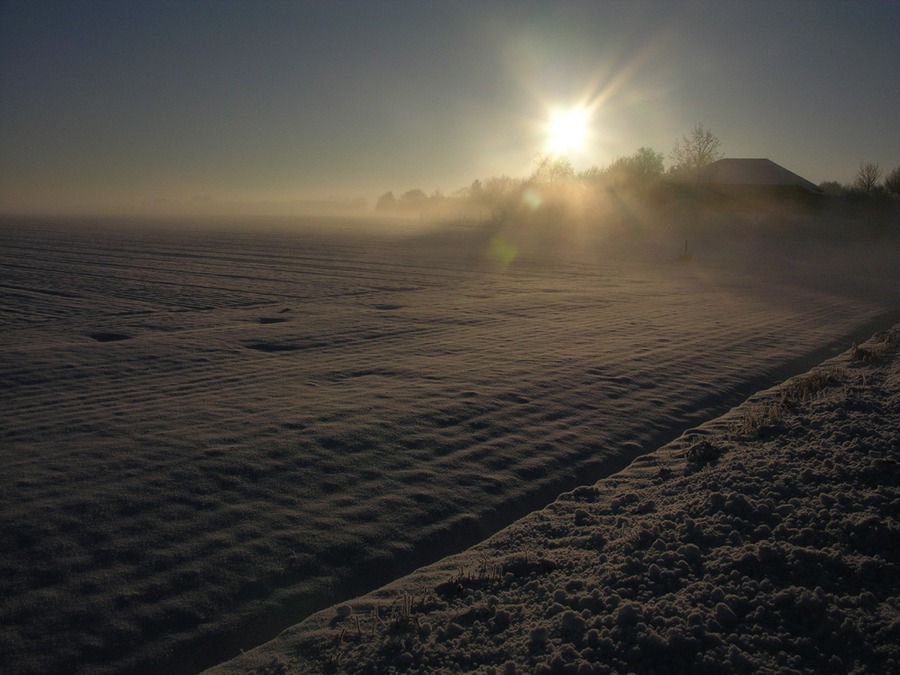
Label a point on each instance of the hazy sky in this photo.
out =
(112, 105)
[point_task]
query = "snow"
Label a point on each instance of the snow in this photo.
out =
(776, 553)
(208, 434)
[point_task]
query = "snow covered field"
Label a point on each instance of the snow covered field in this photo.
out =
(209, 434)
(763, 541)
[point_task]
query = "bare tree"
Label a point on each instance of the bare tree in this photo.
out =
(549, 169)
(498, 193)
(644, 165)
(590, 176)
(892, 182)
(691, 154)
(867, 177)
(832, 187)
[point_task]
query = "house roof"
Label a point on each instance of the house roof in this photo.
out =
(752, 172)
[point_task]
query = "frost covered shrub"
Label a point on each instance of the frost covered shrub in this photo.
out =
(703, 451)
(875, 350)
(758, 417)
(806, 387)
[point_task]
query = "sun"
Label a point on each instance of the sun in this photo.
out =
(567, 130)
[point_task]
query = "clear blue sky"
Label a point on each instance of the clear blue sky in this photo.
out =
(112, 105)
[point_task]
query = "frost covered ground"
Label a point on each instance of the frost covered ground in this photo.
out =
(207, 434)
(767, 540)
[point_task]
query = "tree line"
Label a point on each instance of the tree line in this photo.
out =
(867, 182)
(554, 184)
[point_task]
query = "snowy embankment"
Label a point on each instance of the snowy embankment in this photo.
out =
(766, 540)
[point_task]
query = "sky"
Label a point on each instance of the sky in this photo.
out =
(138, 106)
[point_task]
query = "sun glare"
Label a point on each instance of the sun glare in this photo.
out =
(567, 130)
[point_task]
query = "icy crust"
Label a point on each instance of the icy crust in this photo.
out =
(764, 541)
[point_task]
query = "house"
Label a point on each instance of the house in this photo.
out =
(750, 184)
(753, 173)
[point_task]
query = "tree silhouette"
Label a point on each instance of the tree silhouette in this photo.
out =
(591, 176)
(691, 154)
(386, 202)
(867, 177)
(412, 199)
(832, 187)
(641, 167)
(549, 169)
(892, 182)
(498, 194)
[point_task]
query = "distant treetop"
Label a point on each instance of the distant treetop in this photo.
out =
(691, 154)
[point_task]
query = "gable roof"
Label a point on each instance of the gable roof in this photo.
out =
(761, 172)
